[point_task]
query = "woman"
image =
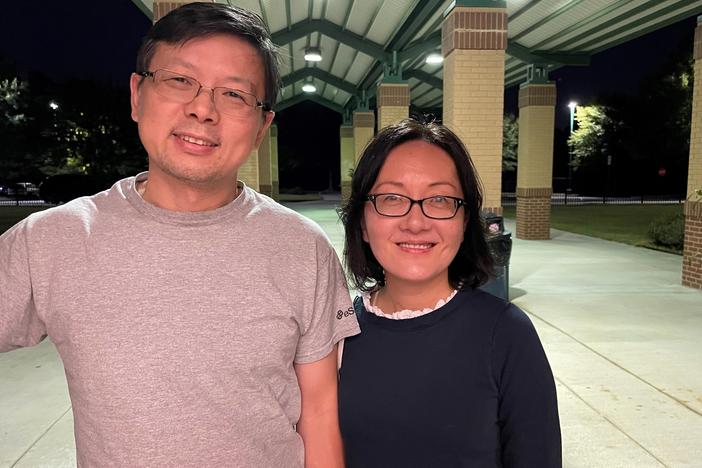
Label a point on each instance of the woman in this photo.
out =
(442, 374)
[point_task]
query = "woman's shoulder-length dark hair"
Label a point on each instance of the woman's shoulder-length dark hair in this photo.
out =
(473, 263)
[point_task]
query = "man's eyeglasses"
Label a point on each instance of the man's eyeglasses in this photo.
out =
(184, 89)
(434, 207)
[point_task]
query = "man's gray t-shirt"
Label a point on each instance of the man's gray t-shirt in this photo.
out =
(178, 331)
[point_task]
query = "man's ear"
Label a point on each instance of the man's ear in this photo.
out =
(134, 82)
(267, 121)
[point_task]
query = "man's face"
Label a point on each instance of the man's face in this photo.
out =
(194, 143)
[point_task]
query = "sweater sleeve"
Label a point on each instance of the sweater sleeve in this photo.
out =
(528, 411)
(19, 323)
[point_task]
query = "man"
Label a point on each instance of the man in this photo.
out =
(197, 320)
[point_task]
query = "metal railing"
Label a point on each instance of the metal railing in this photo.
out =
(564, 198)
(18, 202)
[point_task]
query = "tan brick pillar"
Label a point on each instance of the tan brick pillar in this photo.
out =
(535, 160)
(692, 250)
(363, 131)
(265, 177)
(275, 184)
(348, 160)
(473, 42)
(393, 103)
(161, 9)
(248, 172)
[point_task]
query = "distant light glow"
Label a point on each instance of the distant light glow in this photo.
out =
(313, 54)
(434, 59)
(572, 105)
(53, 105)
(309, 88)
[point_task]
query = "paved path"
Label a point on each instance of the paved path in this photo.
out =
(623, 338)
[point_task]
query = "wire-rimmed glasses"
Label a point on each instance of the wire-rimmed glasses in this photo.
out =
(184, 89)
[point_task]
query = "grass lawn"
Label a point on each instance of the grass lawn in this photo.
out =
(621, 223)
(11, 215)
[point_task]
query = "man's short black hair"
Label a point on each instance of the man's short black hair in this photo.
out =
(473, 263)
(200, 19)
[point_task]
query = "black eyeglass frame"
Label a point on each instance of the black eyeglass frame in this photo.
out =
(152, 74)
(458, 203)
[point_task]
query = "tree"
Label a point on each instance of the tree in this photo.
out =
(77, 127)
(588, 140)
(12, 101)
(15, 160)
(510, 138)
(658, 137)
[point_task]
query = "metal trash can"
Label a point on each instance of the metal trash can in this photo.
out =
(500, 245)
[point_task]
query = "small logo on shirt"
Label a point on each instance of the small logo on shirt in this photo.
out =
(344, 313)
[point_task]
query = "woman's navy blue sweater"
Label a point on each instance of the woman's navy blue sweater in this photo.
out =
(467, 385)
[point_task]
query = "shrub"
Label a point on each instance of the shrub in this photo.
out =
(668, 231)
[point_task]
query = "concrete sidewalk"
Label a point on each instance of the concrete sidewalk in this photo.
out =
(622, 335)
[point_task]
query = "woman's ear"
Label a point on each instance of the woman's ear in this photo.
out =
(364, 230)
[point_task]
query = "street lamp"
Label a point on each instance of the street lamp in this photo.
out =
(571, 105)
(53, 105)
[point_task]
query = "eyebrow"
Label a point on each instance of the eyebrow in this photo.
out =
(236, 79)
(432, 185)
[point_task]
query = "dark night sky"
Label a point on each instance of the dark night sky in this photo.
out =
(77, 39)
(97, 40)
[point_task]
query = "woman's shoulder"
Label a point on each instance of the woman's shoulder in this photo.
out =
(498, 315)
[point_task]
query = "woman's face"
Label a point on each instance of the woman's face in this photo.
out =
(414, 248)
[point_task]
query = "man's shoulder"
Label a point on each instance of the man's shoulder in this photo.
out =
(275, 216)
(78, 212)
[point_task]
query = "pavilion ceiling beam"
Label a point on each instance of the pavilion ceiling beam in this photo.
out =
(548, 58)
(287, 103)
(414, 23)
(560, 11)
(420, 47)
(652, 18)
(411, 27)
(523, 10)
(425, 77)
(141, 5)
(595, 31)
(333, 31)
(326, 77)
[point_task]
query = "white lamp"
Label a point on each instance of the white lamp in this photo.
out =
(434, 59)
(313, 54)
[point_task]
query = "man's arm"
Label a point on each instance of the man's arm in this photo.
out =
(319, 419)
(19, 323)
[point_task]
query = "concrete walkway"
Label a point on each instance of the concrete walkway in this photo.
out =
(623, 338)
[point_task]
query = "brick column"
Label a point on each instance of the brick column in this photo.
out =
(348, 160)
(275, 184)
(535, 160)
(473, 42)
(363, 131)
(265, 179)
(692, 250)
(393, 103)
(248, 172)
(161, 9)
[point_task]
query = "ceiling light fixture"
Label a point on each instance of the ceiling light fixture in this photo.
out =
(313, 54)
(309, 88)
(434, 58)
